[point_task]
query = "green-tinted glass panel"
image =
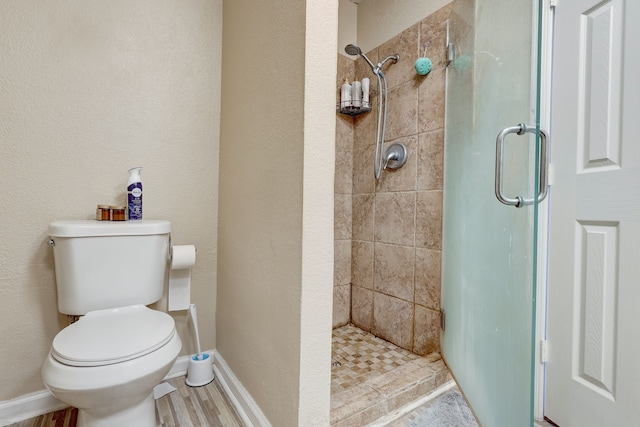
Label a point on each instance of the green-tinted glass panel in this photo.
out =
(488, 276)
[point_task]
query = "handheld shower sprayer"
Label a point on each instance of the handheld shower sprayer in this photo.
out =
(382, 160)
(352, 49)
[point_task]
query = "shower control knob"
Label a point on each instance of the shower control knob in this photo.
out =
(396, 156)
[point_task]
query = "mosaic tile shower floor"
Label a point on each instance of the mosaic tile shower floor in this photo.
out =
(371, 377)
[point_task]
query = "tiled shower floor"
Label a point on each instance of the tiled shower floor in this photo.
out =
(371, 377)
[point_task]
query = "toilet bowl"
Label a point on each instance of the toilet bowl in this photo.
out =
(107, 364)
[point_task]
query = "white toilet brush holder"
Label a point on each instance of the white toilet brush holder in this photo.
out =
(200, 370)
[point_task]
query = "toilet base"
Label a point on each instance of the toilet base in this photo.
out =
(141, 414)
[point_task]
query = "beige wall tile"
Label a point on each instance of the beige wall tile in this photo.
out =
(405, 45)
(393, 320)
(395, 218)
(362, 217)
(427, 278)
(403, 179)
(366, 123)
(426, 330)
(363, 178)
(429, 219)
(362, 308)
(343, 204)
(343, 183)
(431, 97)
(344, 131)
(341, 305)
(342, 262)
(362, 264)
(342, 216)
(433, 29)
(393, 270)
(430, 160)
(402, 111)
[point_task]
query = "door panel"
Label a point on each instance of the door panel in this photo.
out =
(593, 370)
(489, 248)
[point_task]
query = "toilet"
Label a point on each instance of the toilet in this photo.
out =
(108, 362)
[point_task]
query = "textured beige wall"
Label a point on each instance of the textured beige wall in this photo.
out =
(87, 90)
(317, 212)
(347, 25)
(276, 204)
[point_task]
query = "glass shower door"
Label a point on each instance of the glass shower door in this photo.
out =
(489, 248)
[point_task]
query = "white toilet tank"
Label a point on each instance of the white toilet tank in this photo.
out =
(109, 264)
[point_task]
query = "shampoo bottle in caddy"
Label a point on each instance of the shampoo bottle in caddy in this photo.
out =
(134, 194)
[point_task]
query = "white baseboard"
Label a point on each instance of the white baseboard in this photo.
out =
(42, 402)
(247, 408)
(28, 406)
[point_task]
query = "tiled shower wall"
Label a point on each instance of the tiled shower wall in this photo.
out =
(389, 233)
(343, 202)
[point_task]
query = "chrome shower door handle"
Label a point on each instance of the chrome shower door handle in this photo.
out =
(543, 177)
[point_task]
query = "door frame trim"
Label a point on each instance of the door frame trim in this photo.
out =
(543, 209)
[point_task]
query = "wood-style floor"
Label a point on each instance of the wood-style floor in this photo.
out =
(205, 406)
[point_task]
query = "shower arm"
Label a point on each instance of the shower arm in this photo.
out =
(393, 58)
(377, 69)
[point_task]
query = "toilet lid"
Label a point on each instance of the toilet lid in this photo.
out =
(104, 337)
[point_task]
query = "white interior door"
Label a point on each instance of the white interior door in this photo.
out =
(593, 369)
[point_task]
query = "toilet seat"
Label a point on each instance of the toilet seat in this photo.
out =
(105, 337)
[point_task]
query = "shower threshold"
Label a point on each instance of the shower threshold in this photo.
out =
(371, 378)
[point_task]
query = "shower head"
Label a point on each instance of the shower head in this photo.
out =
(352, 49)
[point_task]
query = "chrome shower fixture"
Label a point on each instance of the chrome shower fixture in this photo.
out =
(393, 158)
(352, 49)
